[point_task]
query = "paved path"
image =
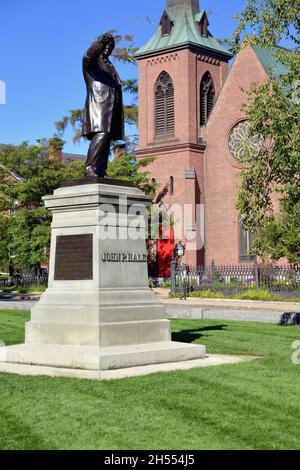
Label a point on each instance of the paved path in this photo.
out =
(16, 304)
(228, 303)
(17, 301)
(226, 309)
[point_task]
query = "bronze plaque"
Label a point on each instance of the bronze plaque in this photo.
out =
(74, 258)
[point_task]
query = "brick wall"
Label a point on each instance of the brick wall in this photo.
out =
(221, 172)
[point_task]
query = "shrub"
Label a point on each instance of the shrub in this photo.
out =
(31, 289)
(167, 284)
(262, 295)
(206, 294)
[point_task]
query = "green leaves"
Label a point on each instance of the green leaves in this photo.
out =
(270, 21)
(127, 168)
(24, 222)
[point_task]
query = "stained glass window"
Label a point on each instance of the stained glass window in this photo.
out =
(240, 143)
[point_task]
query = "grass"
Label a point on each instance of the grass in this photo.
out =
(252, 405)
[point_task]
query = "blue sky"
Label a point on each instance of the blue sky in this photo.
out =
(41, 47)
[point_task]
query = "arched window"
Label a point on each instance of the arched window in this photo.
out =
(164, 106)
(207, 98)
(171, 186)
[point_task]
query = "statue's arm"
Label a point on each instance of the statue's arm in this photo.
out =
(92, 53)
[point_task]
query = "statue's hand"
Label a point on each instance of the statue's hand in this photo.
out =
(104, 38)
(101, 44)
(98, 44)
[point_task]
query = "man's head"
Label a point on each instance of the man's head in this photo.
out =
(108, 42)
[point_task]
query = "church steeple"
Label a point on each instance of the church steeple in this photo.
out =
(183, 25)
(192, 5)
(181, 71)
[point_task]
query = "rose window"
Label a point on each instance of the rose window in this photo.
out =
(240, 143)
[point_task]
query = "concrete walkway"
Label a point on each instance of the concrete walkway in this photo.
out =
(228, 303)
(226, 309)
(16, 304)
(17, 301)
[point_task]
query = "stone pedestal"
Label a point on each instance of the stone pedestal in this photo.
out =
(98, 312)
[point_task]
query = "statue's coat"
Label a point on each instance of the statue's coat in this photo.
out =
(104, 103)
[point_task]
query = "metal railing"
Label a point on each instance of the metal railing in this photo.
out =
(25, 279)
(234, 279)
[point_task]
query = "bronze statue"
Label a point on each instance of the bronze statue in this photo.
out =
(103, 119)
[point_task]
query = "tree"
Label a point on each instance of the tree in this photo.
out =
(25, 223)
(124, 52)
(269, 195)
(4, 255)
(127, 168)
(269, 22)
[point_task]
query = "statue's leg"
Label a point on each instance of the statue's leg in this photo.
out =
(97, 151)
(103, 161)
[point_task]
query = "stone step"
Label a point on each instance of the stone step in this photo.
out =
(91, 358)
(105, 313)
(95, 296)
(96, 333)
(153, 353)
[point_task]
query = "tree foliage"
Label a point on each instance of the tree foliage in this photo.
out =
(127, 167)
(25, 223)
(269, 195)
(267, 22)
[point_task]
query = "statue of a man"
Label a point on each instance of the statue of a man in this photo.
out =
(103, 119)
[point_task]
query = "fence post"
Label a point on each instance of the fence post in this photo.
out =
(213, 269)
(256, 274)
(173, 276)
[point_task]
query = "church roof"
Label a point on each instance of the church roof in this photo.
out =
(267, 57)
(185, 16)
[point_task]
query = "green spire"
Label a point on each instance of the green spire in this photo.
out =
(185, 16)
(192, 5)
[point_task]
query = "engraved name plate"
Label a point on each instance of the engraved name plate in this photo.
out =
(124, 258)
(74, 258)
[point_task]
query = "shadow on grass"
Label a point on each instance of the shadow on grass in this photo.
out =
(188, 336)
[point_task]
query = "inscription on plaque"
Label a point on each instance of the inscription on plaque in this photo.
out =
(74, 258)
(124, 258)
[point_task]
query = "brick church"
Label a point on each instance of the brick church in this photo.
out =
(190, 120)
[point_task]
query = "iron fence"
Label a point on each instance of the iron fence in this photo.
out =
(25, 279)
(234, 279)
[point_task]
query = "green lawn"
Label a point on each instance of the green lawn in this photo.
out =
(253, 405)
